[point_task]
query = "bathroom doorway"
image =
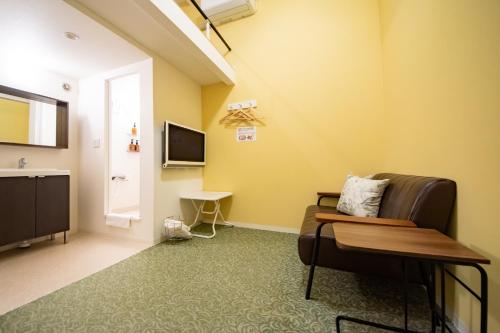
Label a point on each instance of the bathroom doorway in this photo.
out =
(124, 150)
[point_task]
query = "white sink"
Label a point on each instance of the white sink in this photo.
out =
(32, 172)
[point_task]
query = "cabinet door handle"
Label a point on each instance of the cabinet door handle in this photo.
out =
(41, 176)
(31, 176)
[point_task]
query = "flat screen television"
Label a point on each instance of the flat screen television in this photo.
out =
(183, 146)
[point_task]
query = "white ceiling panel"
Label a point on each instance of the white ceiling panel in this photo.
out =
(32, 32)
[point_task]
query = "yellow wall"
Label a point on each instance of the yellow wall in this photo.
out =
(442, 94)
(14, 121)
(177, 98)
(316, 74)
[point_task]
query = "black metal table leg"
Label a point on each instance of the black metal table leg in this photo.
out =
(437, 316)
(382, 326)
(484, 298)
(369, 323)
(428, 278)
(443, 299)
(432, 300)
(314, 258)
(405, 277)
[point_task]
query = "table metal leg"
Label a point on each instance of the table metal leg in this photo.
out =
(443, 298)
(369, 323)
(198, 211)
(437, 316)
(224, 222)
(432, 297)
(382, 326)
(314, 257)
(428, 278)
(405, 277)
(482, 298)
(215, 212)
(217, 205)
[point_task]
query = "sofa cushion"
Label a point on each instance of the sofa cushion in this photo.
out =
(427, 201)
(361, 196)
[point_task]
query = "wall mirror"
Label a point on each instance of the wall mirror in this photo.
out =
(32, 120)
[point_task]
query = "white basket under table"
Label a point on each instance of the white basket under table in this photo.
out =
(202, 197)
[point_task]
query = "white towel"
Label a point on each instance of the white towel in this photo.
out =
(118, 220)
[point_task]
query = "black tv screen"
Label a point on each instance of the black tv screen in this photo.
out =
(184, 145)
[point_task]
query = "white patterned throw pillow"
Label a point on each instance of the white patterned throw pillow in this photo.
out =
(361, 196)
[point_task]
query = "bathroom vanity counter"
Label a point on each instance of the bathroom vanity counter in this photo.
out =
(32, 172)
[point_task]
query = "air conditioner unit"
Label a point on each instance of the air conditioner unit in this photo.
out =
(222, 11)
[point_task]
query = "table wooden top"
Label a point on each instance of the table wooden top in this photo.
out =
(420, 243)
(332, 217)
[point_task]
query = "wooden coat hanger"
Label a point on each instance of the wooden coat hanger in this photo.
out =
(240, 115)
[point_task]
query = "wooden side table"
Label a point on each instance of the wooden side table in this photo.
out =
(424, 245)
(329, 218)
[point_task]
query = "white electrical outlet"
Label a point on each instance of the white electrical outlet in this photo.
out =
(251, 103)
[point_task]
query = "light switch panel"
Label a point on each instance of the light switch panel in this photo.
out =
(96, 143)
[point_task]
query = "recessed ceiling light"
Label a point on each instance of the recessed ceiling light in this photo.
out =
(71, 35)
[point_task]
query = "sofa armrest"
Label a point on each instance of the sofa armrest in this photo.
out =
(331, 218)
(322, 195)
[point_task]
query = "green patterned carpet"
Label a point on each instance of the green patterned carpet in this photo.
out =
(241, 281)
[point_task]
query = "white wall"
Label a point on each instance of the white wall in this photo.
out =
(40, 81)
(93, 101)
(125, 111)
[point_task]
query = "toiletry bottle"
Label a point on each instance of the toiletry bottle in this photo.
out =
(134, 130)
(137, 147)
(131, 146)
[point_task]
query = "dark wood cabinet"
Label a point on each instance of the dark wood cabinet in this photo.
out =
(52, 205)
(17, 209)
(32, 207)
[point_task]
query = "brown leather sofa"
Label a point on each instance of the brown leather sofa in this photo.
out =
(427, 201)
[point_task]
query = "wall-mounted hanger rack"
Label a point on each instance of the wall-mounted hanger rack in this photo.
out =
(241, 113)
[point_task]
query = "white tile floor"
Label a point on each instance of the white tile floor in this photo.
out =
(28, 274)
